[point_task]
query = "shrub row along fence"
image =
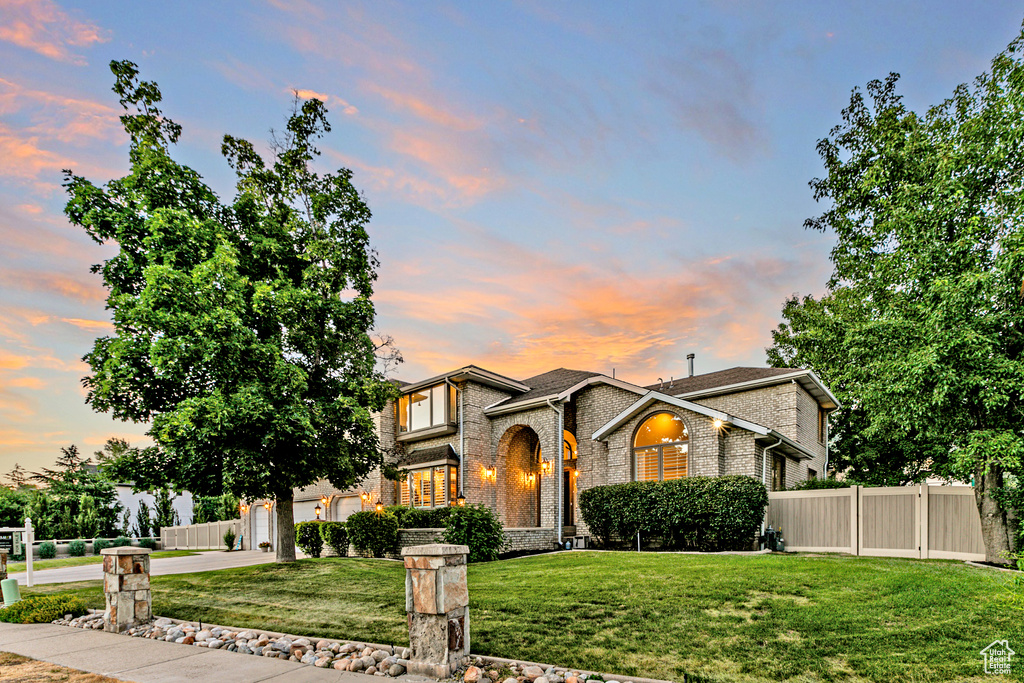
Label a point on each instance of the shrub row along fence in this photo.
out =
(939, 522)
(209, 536)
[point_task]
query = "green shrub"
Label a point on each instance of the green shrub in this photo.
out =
(76, 548)
(436, 518)
(47, 550)
(370, 532)
(147, 543)
(399, 511)
(40, 609)
(705, 513)
(813, 484)
(335, 537)
(479, 528)
(120, 542)
(229, 538)
(99, 544)
(307, 537)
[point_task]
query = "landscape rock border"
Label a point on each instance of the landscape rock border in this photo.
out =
(345, 655)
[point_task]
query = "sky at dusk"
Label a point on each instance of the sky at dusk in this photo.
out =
(592, 185)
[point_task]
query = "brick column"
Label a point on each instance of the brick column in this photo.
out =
(126, 586)
(437, 607)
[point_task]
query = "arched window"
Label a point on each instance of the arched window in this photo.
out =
(660, 448)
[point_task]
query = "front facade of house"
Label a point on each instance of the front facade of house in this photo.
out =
(526, 448)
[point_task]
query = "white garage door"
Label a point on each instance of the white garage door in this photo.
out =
(261, 525)
(345, 506)
(304, 510)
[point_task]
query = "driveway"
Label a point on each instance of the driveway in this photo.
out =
(200, 562)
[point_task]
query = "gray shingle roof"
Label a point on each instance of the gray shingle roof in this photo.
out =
(423, 455)
(722, 378)
(552, 382)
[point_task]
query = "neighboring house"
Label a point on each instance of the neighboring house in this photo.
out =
(526, 448)
(129, 500)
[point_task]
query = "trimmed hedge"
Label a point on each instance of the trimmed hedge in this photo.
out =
(814, 484)
(436, 518)
(47, 550)
(705, 513)
(399, 511)
(479, 528)
(335, 537)
(99, 544)
(41, 609)
(151, 543)
(121, 542)
(373, 533)
(307, 537)
(76, 548)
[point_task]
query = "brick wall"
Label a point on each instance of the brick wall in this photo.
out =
(511, 489)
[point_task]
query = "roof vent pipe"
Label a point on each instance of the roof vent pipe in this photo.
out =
(689, 362)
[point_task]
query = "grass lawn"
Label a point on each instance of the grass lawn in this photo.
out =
(724, 617)
(38, 565)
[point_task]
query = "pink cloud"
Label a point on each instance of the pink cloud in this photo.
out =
(44, 28)
(425, 110)
(332, 100)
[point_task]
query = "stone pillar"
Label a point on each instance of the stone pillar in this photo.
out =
(126, 586)
(437, 607)
(3, 565)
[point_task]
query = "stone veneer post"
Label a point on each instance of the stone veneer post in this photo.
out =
(126, 586)
(3, 565)
(437, 607)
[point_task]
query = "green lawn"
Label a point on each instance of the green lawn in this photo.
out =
(724, 617)
(38, 565)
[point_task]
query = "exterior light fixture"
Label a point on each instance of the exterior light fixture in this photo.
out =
(242, 508)
(267, 506)
(323, 500)
(365, 496)
(317, 511)
(379, 507)
(530, 478)
(718, 424)
(545, 467)
(461, 500)
(575, 473)
(490, 473)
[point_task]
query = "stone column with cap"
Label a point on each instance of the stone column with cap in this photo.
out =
(126, 586)
(437, 608)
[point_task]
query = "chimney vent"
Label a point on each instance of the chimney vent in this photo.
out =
(689, 362)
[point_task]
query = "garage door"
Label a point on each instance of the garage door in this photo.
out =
(261, 525)
(345, 506)
(304, 510)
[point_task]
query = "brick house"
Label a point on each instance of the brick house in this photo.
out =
(528, 447)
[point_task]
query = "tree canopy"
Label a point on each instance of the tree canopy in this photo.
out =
(921, 330)
(242, 330)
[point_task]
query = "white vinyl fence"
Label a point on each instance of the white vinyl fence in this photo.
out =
(209, 536)
(902, 521)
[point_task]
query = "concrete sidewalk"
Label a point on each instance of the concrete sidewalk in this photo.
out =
(203, 561)
(155, 661)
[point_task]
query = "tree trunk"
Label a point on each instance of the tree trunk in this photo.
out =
(996, 529)
(285, 530)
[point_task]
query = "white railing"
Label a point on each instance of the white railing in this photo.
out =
(209, 536)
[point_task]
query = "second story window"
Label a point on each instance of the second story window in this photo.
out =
(425, 408)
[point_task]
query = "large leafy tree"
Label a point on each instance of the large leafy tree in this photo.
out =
(922, 327)
(56, 508)
(241, 330)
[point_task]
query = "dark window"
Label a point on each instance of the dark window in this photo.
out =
(778, 472)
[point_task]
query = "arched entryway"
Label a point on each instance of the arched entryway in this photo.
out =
(519, 477)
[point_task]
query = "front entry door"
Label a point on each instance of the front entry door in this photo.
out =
(569, 497)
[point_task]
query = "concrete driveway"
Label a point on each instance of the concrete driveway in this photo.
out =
(200, 562)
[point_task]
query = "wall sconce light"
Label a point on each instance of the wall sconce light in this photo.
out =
(267, 506)
(461, 500)
(317, 511)
(530, 478)
(365, 496)
(718, 424)
(242, 508)
(490, 473)
(545, 467)
(575, 473)
(323, 500)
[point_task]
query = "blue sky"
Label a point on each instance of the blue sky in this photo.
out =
(587, 185)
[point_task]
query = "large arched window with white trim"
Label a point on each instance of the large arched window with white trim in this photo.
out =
(660, 448)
